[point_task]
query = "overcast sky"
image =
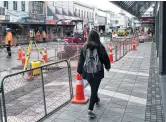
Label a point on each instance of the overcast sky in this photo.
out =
(105, 5)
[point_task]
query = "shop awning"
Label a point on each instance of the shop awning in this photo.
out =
(67, 17)
(59, 16)
(58, 10)
(64, 12)
(70, 13)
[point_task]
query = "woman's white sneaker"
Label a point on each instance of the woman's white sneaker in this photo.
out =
(91, 114)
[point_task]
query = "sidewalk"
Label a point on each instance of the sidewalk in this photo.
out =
(123, 92)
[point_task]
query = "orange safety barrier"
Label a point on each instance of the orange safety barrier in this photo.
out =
(111, 55)
(19, 55)
(79, 97)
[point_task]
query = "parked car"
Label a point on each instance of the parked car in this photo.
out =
(122, 32)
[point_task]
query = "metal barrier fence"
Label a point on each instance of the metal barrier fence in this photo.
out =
(29, 100)
(33, 94)
(61, 51)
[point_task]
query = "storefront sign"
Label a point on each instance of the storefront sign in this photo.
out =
(14, 19)
(31, 21)
(2, 17)
(22, 21)
(50, 22)
(35, 21)
(147, 19)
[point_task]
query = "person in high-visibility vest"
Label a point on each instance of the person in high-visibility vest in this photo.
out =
(44, 36)
(8, 41)
(37, 36)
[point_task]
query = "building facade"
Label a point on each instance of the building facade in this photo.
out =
(12, 12)
(59, 12)
(84, 12)
(46, 15)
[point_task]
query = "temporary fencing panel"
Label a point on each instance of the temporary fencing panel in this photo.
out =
(29, 98)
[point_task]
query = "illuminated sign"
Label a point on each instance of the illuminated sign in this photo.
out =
(147, 19)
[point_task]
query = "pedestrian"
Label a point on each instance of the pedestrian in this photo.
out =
(37, 35)
(101, 32)
(44, 36)
(8, 41)
(90, 66)
(85, 33)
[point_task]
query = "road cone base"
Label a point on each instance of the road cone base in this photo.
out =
(74, 100)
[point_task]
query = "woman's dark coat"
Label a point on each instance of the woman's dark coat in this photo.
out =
(103, 56)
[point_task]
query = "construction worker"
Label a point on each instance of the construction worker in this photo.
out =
(44, 36)
(37, 35)
(8, 41)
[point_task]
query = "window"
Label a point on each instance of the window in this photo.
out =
(92, 15)
(37, 7)
(23, 5)
(14, 5)
(84, 14)
(79, 13)
(6, 4)
(87, 14)
(75, 11)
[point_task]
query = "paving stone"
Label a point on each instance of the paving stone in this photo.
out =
(115, 105)
(153, 84)
(128, 118)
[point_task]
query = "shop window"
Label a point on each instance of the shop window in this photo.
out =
(89, 15)
(23, 5)
(79, 13)
(82, 14)
(75, 11)
(14, 5)
(37, 7)
(6, 4)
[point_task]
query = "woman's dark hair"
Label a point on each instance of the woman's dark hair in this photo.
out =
(94, 37)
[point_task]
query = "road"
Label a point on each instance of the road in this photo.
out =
(52, 50)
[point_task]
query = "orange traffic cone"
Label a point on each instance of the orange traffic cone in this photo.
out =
(23, 52)
(134, 45)
(19, 55)
(79, 97)
(111, 55)
(45, 58)
(23, 57)
(45, 50)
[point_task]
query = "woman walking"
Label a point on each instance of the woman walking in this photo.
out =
(92, 58)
